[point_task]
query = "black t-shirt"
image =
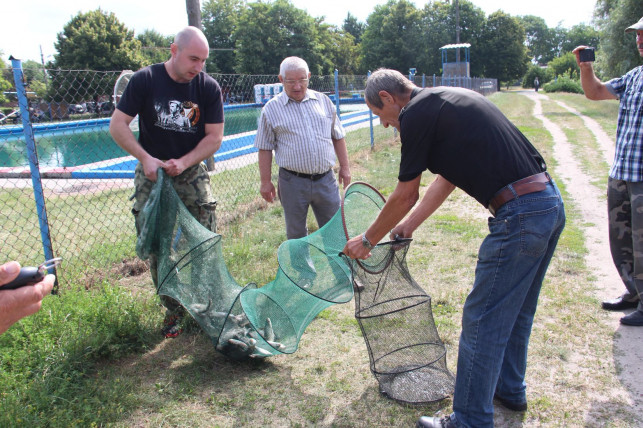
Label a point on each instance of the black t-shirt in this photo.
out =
(464, 137)
(172, 116)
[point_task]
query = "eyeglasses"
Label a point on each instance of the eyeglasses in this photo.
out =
(294, 82)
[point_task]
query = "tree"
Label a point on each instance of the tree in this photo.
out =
(220, 20)
(581, 34)
(439, 29)
(94, 41)
(618, 53)
(5, 84)
(503, 50)
(353, 27)
(393, 37)
(269, 32)
(155, 47)
(558, 36)
(339, 49)
(539, 38)
(97, 41)
(565, 65)
(35, 78)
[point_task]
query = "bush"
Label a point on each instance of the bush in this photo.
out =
(565, 65)
(564, 84)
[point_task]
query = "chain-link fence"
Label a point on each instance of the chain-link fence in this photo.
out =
(67, 187)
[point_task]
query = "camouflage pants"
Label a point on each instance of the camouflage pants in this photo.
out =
(625, 214)
(193, 188)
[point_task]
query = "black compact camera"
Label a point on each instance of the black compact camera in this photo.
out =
(587, 55)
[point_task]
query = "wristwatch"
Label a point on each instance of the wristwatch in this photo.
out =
(366, 242)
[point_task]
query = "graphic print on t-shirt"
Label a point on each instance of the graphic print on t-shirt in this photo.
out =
(177, 116)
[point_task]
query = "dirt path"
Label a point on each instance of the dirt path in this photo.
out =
(628, 341)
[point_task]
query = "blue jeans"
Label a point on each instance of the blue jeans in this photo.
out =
(499, 312)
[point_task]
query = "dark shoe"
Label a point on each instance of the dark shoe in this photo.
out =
(516, 407)
(626, 301)
(433, 422)
(635, 318)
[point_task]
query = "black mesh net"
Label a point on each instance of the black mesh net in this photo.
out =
(406, 354)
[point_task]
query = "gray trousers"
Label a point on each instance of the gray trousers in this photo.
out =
(297, 194)
(625, 213)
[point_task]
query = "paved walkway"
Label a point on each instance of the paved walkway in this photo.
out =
(627, 340)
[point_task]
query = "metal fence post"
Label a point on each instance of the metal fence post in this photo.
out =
(337, 91)
(32, 156)
(370, 117)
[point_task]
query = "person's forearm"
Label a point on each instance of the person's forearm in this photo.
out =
(206, 148)
(344, 176)
(123, 136)
(396, 207)
(594, 89)
(434, 197)
(341, 152)
(265, 166)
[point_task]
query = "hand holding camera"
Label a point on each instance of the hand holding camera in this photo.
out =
(17, 300)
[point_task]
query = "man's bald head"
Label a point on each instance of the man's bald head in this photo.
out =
(184, 37)
(189, 52)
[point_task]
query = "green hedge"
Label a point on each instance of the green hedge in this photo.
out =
(564, 84)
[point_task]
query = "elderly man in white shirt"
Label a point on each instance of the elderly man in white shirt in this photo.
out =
(302, 128)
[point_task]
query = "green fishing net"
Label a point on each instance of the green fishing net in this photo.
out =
(394, 313)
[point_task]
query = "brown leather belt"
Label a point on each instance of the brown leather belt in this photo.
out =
(313, 177)
(525, 186)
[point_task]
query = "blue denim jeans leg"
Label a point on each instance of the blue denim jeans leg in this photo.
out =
(499, 311)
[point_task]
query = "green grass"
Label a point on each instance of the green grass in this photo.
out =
(49, 360)
(96, 358)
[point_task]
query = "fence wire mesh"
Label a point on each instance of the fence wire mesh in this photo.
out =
(87, 180)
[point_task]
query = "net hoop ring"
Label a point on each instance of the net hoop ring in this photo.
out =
(358, 261)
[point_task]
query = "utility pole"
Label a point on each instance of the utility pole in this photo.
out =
(44, 70)
(193, 9)
(194, 13)
(457, 30)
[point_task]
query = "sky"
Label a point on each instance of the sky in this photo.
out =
(29, 27)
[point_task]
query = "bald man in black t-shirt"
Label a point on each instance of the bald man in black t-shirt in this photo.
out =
(468, 143)
(180, 115)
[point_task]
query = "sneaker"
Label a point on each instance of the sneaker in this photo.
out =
(626, 301)
(635, 319)
(172, 326)
(433, 422)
